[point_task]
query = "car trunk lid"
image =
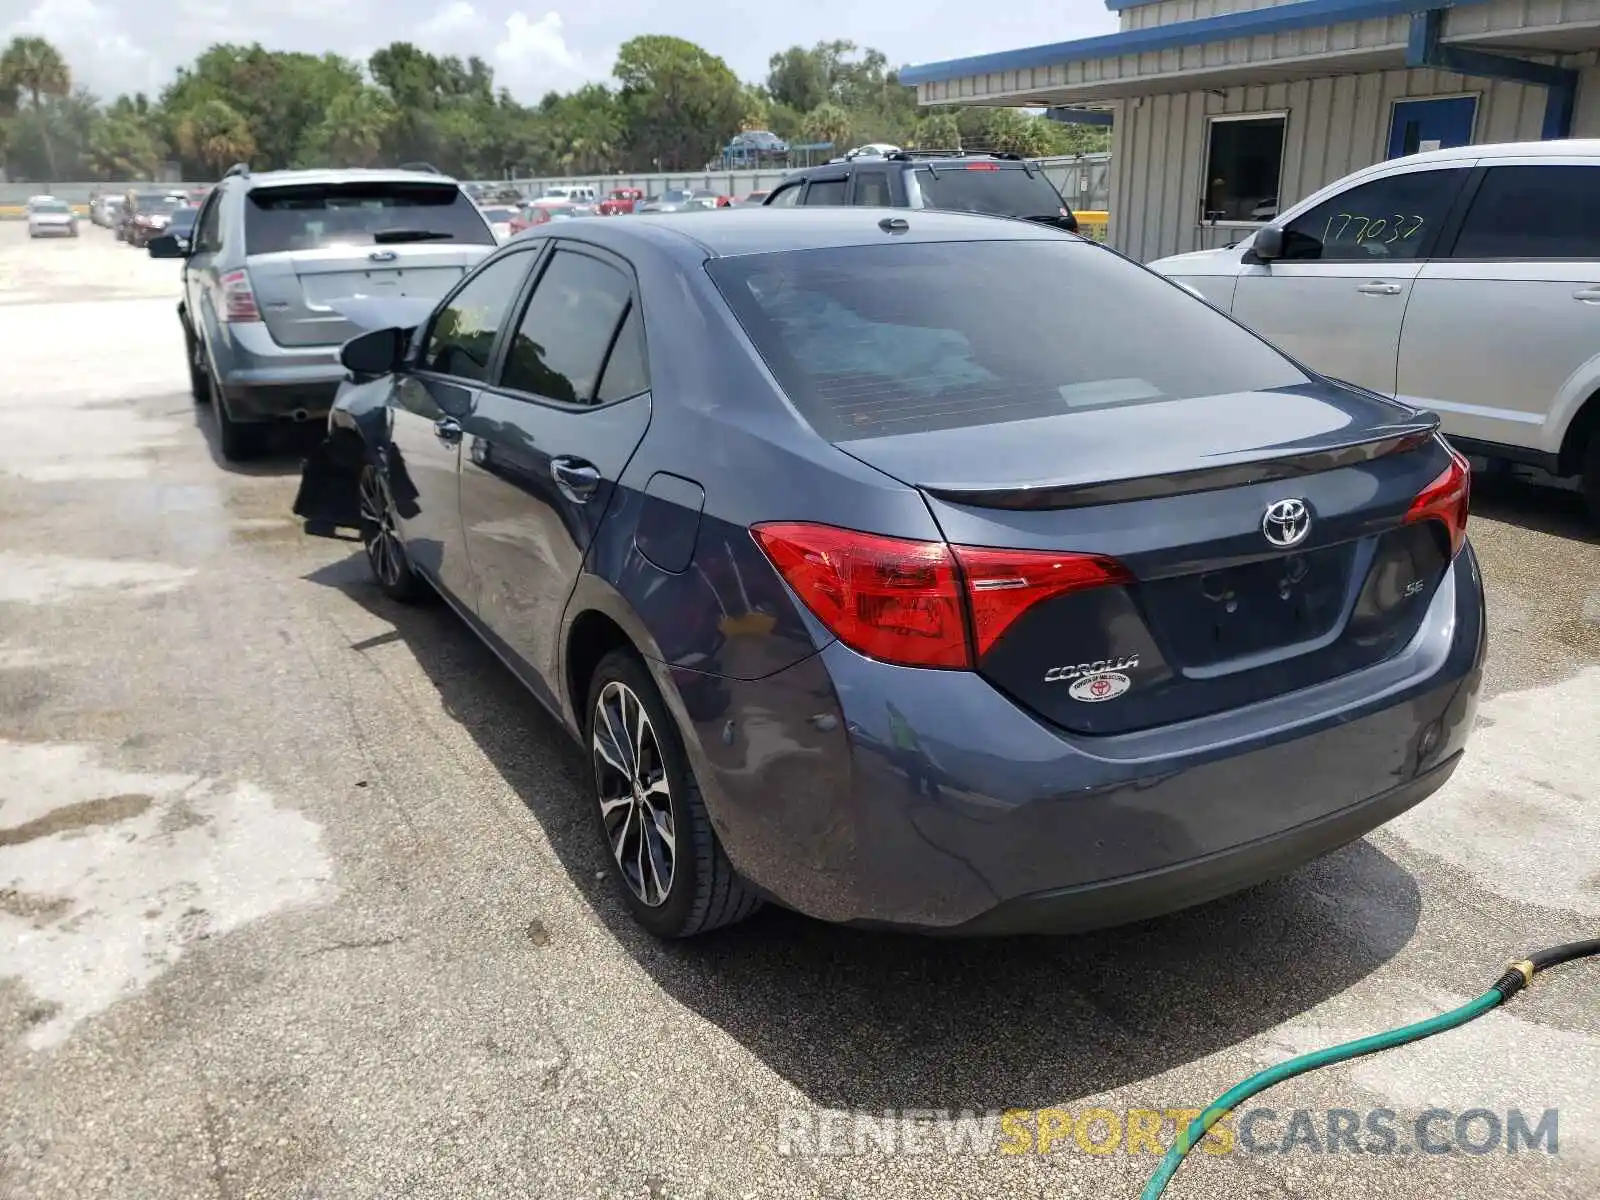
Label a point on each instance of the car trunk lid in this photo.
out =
(310, 244)
(1212, 612)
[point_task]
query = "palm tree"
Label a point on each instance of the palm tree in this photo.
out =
(32, 65)
(357, 126)
(213, 133)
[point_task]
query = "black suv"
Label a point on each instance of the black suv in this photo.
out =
(999, 185)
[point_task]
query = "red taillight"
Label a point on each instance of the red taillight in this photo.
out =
(238, 300)
(910, 602)
(982, 166)
(1446, 499)
(1004, 584)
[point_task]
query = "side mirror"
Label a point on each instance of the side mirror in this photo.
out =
(1268, 243)
(375, 353)
(166, 246)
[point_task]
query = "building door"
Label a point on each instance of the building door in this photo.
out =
(1418, 125)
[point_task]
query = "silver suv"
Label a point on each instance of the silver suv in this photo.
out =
(272, 254)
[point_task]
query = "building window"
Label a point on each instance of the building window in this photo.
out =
(1244, 165)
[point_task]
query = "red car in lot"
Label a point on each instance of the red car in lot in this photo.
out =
(620, 201)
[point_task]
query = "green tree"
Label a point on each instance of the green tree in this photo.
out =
(353, 133)
(679, 103)
(125, 142)
(827, 123)
(216, 135)
(937, 131)
(32, 66)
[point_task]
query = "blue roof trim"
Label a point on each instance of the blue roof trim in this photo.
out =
(1119, 5)
(1282, 18)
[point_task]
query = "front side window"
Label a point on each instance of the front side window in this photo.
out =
(786, 197)
(825, 192)
(461, 339)
(1244, 163)
(1534, 212)
(1397, 217)
(565, 331)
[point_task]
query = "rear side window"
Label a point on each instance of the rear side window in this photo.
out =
(1395, 217)
(566, 329)
(871, 341)
(987, 188)
(627, 370)
(461, 340)
(825, 191)
(872, 189)
(311, 216)
(1534, 212)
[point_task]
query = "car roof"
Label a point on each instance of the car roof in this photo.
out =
(1565, 148)
(736, 231)
(905, 158)
(289, 178)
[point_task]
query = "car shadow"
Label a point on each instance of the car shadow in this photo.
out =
(1531, 500)
(283, 449)
(869, 1020)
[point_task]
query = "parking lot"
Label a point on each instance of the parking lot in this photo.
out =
(300, 897)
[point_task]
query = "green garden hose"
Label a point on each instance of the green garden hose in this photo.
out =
(1519, 976)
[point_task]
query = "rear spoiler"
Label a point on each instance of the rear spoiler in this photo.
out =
(1292, 463)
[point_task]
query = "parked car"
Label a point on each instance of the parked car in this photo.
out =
(51, 218)
(110, 212)
(620, 201)
(565, 194)
(871, 585)
(1465, 281)
(528, 217)
(144, 214)
(994, 184)
(670, 200)
(180, 225)
(269, 254)
(500, 220)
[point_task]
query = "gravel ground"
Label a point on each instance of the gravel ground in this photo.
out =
(298, 896)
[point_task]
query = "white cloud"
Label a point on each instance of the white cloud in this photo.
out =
(533, 58)
(115, 46)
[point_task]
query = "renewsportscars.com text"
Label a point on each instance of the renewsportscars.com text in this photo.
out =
(1151, 1131)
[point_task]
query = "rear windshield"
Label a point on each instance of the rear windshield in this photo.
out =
(914, 336)
(986, 188)
(183, 216)
(156, 201)
(500, 214)
(51, 206)
(310, 216)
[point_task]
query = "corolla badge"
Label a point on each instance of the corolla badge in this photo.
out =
(1286, 523)
(1093, 689)
(1100, 666)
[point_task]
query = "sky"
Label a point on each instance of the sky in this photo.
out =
(115, 46)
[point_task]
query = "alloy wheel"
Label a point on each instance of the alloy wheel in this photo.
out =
(384, 550)
(635, 797)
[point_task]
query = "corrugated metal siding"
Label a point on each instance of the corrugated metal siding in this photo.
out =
(1168, 12)
(1335, 125)
(1469, 19)
(1383, 33)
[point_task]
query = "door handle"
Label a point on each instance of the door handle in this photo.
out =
(576, 479)
(1380, 289)
(448, 431)
(1589, 295)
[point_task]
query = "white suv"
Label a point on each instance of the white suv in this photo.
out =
(1465, 281)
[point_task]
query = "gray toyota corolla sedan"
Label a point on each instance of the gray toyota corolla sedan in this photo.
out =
(917, 570)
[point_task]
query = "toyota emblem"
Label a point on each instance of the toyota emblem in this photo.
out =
(1286, 523)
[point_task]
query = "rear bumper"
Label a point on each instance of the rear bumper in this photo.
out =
(884, 796)
(264, 381)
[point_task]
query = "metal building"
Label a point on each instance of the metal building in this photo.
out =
(1225, 111)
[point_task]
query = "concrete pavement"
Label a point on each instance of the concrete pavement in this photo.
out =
(299, 896)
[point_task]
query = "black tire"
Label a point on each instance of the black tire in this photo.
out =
(199, 370)
(380, 536)
(1591, 475)
(236, 440)
(702, 891)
